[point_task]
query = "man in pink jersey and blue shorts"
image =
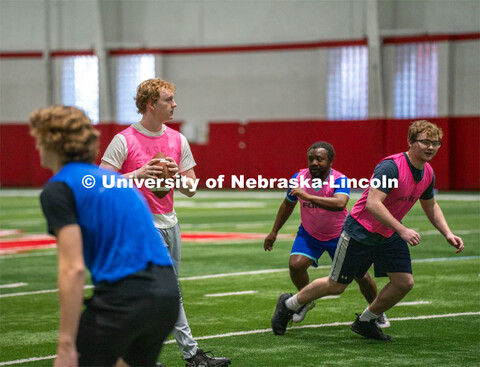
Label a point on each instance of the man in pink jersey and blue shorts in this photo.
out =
(323, 211)
(373, 234)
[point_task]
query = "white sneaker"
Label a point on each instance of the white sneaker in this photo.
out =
(382, 321)
(299, 315)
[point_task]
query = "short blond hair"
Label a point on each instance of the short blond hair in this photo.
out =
(423, 126)
(67, 131)
(149, 90)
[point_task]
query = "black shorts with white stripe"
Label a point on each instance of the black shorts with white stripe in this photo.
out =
(353, 259)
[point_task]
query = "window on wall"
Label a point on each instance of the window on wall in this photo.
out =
(80, 84)
(347, 84)
(131, 71)
(416, 78)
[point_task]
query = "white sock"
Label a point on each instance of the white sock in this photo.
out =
(368, 315)
(292, 303)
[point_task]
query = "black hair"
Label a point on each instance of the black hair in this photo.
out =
(327, 146)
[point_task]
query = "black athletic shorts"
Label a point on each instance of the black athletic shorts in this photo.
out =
(353, 259)
(130, 319)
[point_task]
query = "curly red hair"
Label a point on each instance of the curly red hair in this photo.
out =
(149, 90)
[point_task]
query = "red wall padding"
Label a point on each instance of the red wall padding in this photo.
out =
(224, 153)
(277, 149)
(465, 153)
(280, 149)
(20, 163)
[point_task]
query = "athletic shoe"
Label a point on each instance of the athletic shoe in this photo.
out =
(382, 321)
(368, 329)
(158, 364)
(200, 359)
(299, 315)
(282, 315)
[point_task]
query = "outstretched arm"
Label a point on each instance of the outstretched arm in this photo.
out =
(337, 202)
(435, 215)
(284, 212)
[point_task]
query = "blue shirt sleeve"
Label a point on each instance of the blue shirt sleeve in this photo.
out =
(388, 169)
(343, 188)
(292, 198)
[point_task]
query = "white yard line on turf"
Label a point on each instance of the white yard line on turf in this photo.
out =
(22, 211)
(23, 223)
(226, 224)
(14, 250)
(450, 216)
(9, 232)
(20, 192)
(222, 275)
(28, 293)
(280, 194)
(230, 294)
(26, 360)
(228, 242)
(446, 259)
(260, 331)
(461, 231)
(36, 292)
(266, 271)
(13, 285)
(219, 204)
(413, 303)
(224, 213)
(33, 254)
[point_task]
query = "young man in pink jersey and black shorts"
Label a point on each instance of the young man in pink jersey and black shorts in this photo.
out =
(373, 234)
(323, 211)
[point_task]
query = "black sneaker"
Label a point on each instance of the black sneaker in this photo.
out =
(200, 359)
(282, 315)
(368, 329)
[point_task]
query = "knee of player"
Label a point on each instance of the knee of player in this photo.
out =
(364, 281)
(408, 285)
(336, 288)
(404, 284)
(296, 266)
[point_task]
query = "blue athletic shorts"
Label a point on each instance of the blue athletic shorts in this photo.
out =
(353, 259)
(312, 248)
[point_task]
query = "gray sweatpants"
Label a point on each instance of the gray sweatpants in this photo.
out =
(181, 331)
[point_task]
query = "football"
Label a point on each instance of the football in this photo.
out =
(161, 192)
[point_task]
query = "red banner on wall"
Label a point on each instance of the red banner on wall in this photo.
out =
(277, 149)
